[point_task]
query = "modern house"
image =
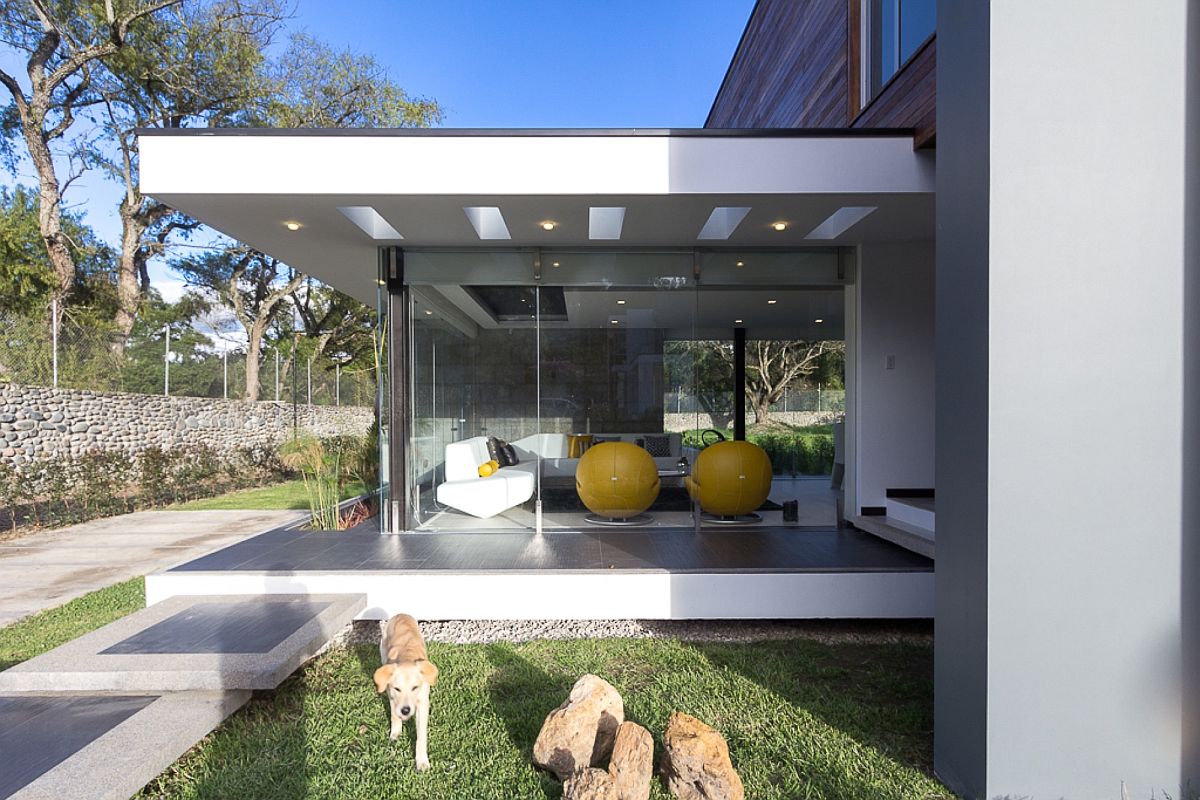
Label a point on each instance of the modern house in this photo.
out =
(995, 206)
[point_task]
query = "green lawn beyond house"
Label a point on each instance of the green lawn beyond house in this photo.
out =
(803, 719)
(276, 497)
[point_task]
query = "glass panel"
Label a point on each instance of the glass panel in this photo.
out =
(918, 18)
(383, 375)
(473, 378)
(611, 323)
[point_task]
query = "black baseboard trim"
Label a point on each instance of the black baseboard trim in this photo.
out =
(909, 493)
(873, 511)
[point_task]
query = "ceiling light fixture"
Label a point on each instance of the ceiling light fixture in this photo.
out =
(292, 225)
(740, 264)
(549, 225)
(428, 313)
(555, 264)
(779, 226)
(614, 322)
(737, 322)
(620, 302)
(818, 321)
(772, 302)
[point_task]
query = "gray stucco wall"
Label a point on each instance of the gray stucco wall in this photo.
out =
(1062, 262)
(40, 424)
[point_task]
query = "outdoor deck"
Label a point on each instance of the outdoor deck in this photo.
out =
(765, 572)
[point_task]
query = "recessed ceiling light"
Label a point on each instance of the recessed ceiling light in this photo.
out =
(779, 226)
(555, 264)
(428, 313)
(549, 225)
(818, 321)
(772, 302)
(737, 322)
(740, 264)
(292, 225)
(620, 302)
(614, 322)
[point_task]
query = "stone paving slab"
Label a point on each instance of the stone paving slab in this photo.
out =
(48, 568)
(101, 746)
(192, 643)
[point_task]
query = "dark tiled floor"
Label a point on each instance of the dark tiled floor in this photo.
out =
(38, 733)
(247, 627)
(764, 549)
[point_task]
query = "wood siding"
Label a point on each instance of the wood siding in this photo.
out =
(797, 66)
(790, 69)
(908, 101)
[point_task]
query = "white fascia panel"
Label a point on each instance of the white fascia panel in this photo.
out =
(530, 165)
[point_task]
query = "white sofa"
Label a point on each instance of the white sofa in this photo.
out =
(552, 448)
(483, 497)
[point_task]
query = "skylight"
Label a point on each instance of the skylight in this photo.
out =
(371, 221)
(839, 222)
(605, 222)
(487, 221)
(723, 221)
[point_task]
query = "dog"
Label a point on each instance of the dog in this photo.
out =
(407, 675)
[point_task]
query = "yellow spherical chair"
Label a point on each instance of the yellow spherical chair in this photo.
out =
(617, 481)
(729, 481)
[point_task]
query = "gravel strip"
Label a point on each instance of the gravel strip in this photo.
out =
(918, 632)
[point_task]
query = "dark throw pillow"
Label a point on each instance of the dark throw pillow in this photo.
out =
(510, 456)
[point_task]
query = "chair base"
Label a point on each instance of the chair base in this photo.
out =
(740, 519)
(636, 519)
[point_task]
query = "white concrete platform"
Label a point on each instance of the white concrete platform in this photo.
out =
(191, 643)
(117, 761)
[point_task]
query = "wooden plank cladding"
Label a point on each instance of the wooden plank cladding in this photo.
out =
(790, 69)
(909, 99)
(797, 66)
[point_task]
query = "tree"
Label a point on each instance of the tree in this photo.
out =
(254, 286)
(195, 369)
(774, 364)
(196, 65)
(63, 47)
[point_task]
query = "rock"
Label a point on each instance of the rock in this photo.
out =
(632, 764)
(580, 732)
(590, 784)
(695, 763)
(24, 424)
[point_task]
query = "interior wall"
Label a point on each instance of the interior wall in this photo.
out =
(894, 435)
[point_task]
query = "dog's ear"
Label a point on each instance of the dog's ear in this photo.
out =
(383, 676)
(429, 671)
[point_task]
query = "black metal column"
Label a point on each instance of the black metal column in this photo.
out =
(391, 268)
(739, 383)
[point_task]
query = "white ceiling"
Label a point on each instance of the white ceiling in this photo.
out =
(249, 186)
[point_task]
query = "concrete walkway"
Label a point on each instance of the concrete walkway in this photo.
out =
(47, 569)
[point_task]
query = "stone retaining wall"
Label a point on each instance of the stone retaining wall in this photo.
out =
(40, 424)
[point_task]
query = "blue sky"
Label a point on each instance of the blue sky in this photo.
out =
(512, 64)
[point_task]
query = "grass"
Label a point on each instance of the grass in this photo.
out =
(286, 496)
(46, 630)
(802, 719)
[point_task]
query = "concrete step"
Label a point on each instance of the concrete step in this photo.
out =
(909, 537)
(917, 512)
(100, 746)
(192, 643)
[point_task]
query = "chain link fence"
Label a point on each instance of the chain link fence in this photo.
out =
(794, 399)
(72, 352)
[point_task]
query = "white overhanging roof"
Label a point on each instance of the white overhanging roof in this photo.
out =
(351, 191)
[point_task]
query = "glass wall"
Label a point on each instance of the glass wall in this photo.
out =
(552, 351)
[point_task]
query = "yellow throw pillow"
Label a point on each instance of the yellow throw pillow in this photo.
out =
(486, 469)
(495, 464)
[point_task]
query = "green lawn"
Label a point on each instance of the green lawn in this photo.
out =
(44, 631)
(277, 497)
(803, 719)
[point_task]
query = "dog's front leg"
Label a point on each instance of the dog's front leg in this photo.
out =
(423, 733)
(397, 727)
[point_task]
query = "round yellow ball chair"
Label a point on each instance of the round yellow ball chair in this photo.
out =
(730, 480)
(617, 481)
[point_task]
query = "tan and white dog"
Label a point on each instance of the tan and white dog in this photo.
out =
(407, 675)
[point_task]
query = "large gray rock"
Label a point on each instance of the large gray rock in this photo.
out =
(696, 764)
(580, 733)
(632, 764)
(590, 784)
